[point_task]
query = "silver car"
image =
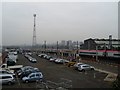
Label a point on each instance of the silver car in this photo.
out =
(36, 76)
(76, 65)
(7, 79)
(84, 67)
(62, 61)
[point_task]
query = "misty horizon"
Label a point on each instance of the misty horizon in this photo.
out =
(56, 21)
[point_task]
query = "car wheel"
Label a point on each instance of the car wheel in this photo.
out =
(26, 81)
(69, 65)
(83, 70)
(92, 68)
(9, 83)
(37, 81)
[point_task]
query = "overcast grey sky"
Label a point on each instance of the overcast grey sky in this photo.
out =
(58, 21)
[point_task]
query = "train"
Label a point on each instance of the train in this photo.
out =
(100, 53)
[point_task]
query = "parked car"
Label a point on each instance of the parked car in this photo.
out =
(52, 59)
(85, 67)
(6, 72)
(45, 56)
(33, 60)
(76, 65)
(61, 61)
(7, 79)
(23, 69)
(30, 58)
(48, 57)
(41, 55)
(26, 55)
(29, 53)
(10, 62)
(37, 76)
(27, 72)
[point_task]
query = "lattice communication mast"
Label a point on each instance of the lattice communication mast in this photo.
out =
(34, 31)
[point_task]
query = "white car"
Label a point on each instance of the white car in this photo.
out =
(42, 55)
(52, 59)
(61, 61)
(76, 65)
(29, 53)
(30, 58)
(33, 60)
(85, 67)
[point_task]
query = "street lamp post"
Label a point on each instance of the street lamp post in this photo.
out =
(57, 48)
(96, 52)
(45, 46)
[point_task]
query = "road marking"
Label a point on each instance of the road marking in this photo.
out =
(110, 77)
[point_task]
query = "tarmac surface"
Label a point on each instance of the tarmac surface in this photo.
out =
(55, 72)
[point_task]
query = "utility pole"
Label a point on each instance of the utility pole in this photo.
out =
(34, 32)
(45, 45)
(67, 44)
(77, 53)
(77, 47)
(96, 52)
(88, 45)
(57, 48)
(57, 45)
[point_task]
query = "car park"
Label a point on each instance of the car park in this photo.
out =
(37, 76)
(53, 72)
(7, 79)
(85, 67)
